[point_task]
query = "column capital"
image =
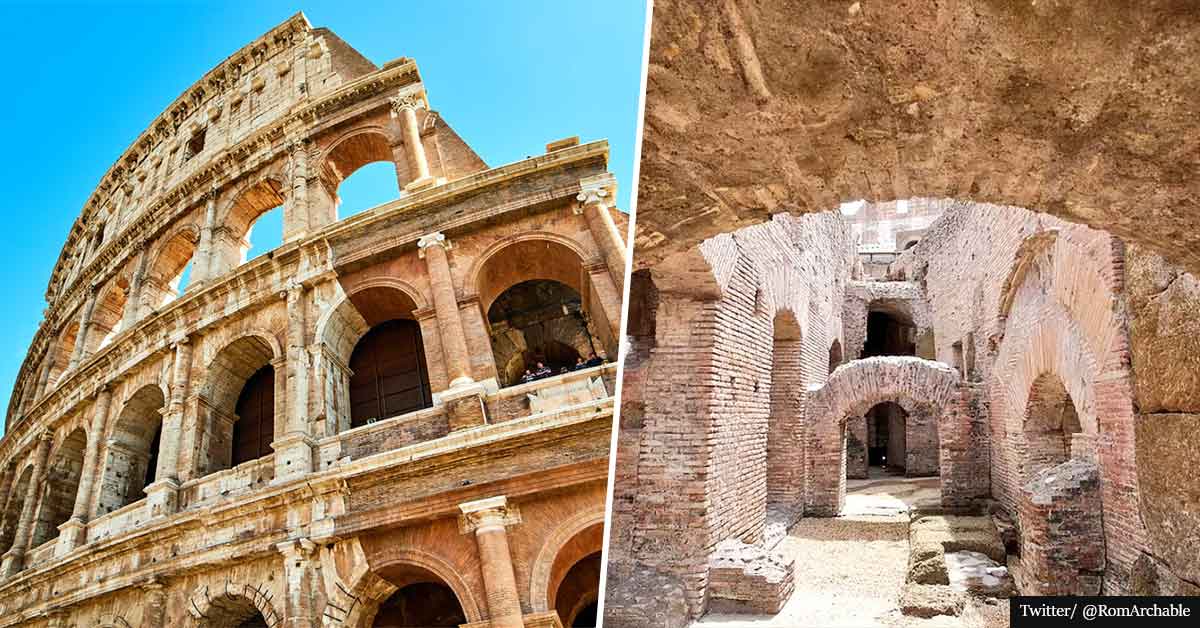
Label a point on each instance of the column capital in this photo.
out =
(46, 436)
(595, 190)
(408, 101)
(292, 291)
(299, 549)
(483, 515)
(436, 238)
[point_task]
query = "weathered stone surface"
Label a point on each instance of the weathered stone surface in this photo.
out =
(758, 108)
(931, 600)
(1167, 468)
(1164, 332)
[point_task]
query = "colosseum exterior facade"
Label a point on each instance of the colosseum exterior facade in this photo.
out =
(321, 434)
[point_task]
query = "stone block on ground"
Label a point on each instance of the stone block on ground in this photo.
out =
(978, 574)
(748, 579)
(931, 600)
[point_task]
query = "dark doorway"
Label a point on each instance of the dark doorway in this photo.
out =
(888, 334)
(255, 427)
(389, 376)
(423, 604)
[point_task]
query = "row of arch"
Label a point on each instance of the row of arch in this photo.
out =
(373, 330)
(187, 254)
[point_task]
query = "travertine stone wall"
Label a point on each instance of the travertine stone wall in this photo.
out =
(134, 377)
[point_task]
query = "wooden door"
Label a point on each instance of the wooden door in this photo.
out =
(255, 427)
(389, 377)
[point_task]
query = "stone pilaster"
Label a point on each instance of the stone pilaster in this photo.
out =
(302, 584)
(405, 107)
(489, 520)
(202, 270)
(44, 374)
(14, 559)
(605, 300)
(595, 199)
(293, 446)
(162, 494)
(154, 600)
(133, 302)
(73, 532)
(85, 325)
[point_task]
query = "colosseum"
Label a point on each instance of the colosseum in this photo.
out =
(399, 418)
(980, 382)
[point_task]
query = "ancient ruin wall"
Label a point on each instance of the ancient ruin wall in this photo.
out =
(1033, 295)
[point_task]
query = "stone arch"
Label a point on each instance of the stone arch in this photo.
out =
(64, 348)
(237, 216)
(131, 451)
(230, 605)
(64, 468)
(160, 285)
(11, 515)
(542, 567)
(353, 149)
(108, 313)
(341, 329)
(786, 425)
(430, 564)
(537, 257)
(238, 360)
(539, 266)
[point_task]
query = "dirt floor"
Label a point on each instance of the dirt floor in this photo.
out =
(850, 569)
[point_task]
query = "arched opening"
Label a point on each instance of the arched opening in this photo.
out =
(574, 583)
(233, 611)
(12, 510)
(62, 484)
(254, 428)
(422, 599)
(551, 299)
(257, 212)
(1051, 420)
(538, 328)
(370, 186)
(237, 405)
(835, 355)
(108, 314)
(785, 431)
(375, 353)
(132, 450)
(886, 428)
(389, 375)
(61, 355)
(168, 275)
(362, 172)
(890, 331)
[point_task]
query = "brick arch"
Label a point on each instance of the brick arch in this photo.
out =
(858, 386)
(542, 567)
(432, 563)
(917, 385)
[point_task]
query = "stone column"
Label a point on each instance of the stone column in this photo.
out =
(464, 398)
(14, 558)
(44, 375)
(594, 201)
(85, 324)
(293, 446)
(606, 305)
(302, 586)
(73, 532)
(154, 599)
(202, 269)
(133, 302)
(300, 215)
(405, 107)
(162, 495)
(489, 520)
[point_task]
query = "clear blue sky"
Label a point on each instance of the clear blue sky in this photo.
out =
(85, 79)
